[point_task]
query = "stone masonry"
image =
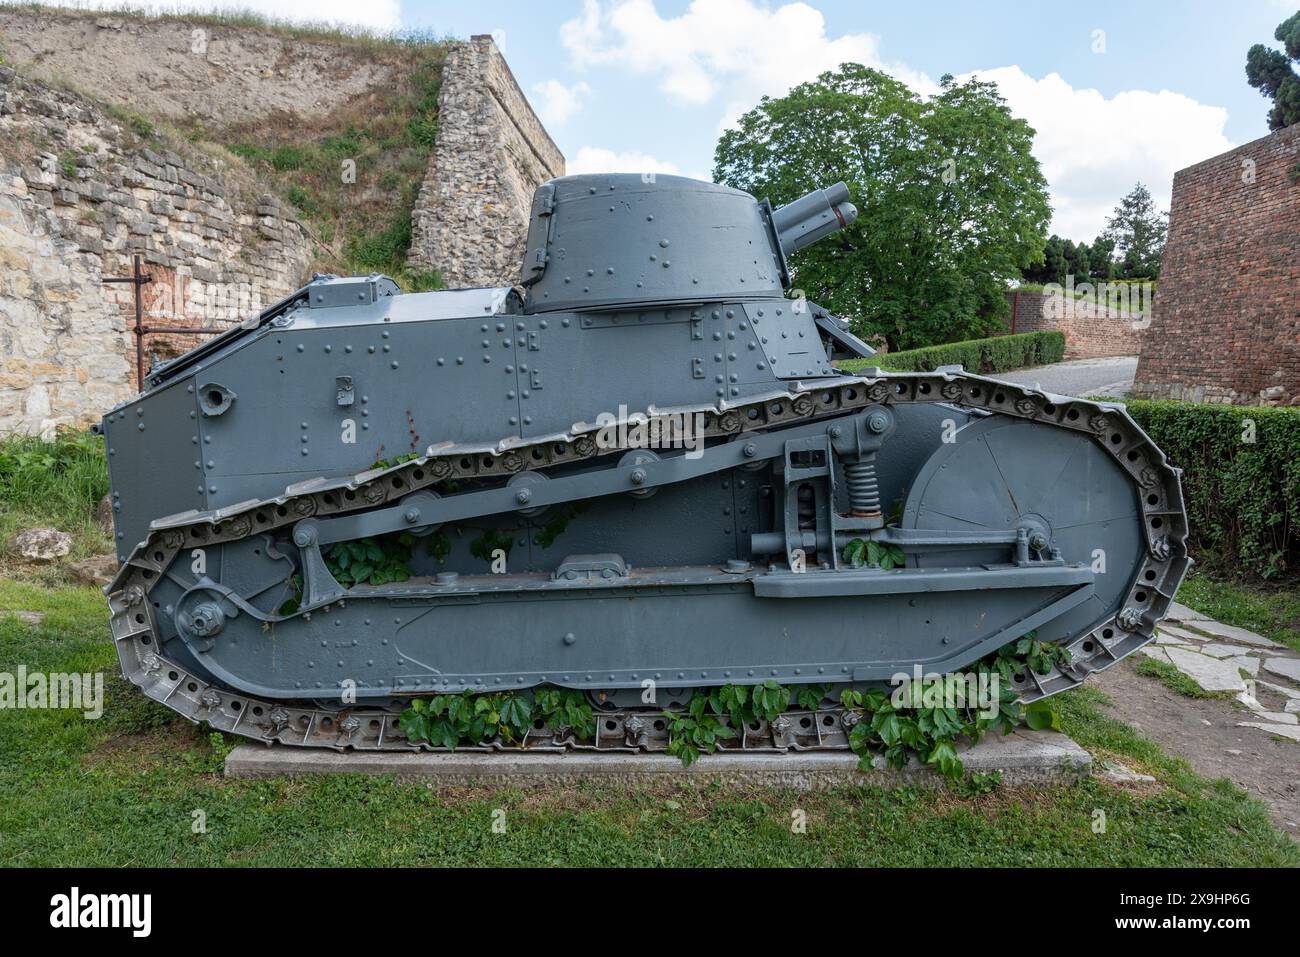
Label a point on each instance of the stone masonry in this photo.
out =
(472, 214)
(1226, 326)
(1092, 330)
(80, 195)
(84, 186)
(180, 69)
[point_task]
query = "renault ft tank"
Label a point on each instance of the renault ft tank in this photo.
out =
(643, 466)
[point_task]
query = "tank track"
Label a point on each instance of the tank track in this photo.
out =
(622, 729)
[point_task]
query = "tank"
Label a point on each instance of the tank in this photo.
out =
(639, 469)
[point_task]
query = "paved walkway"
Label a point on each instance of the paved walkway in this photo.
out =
(1249, 732)
(1080, 377)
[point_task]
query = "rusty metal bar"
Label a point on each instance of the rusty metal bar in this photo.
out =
(137, 279)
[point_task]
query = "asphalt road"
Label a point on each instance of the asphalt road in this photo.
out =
(1082, 377)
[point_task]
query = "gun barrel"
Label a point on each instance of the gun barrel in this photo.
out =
(813, 217)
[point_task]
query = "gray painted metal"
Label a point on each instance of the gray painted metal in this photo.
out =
(515, 422)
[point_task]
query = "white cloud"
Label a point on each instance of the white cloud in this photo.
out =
(594, 159)
(728, 51)
(557, 102)
(379, 15)
(1093, 148)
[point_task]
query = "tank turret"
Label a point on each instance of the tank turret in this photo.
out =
(619, 239)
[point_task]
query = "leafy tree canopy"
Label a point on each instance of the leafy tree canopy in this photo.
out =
(1270, 72)
(952, 204)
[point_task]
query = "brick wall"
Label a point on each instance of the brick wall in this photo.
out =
(1226, 326)
(1092, 329)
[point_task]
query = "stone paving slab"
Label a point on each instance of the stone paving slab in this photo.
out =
(1281, 730)
(1280, 689)
(1024, 757)
(1214, 655)
(1212, 674)
(1165, 628)
(1285, 667)
(1216, 650)
(1241, 635)
(1249, 664)
(1180, 612)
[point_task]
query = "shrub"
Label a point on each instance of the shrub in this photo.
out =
(984, 356)
(1241, 480)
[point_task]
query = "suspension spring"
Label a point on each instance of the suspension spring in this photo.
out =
(864, 492)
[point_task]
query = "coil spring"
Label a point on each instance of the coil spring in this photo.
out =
(860, 479)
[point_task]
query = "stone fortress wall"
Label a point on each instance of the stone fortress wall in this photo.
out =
(81, 193)
(80, 197)
(492, 152)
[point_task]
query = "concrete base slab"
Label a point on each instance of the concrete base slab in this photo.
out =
(1025, 757)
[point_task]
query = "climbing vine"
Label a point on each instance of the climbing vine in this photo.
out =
(554, 528)
(452, 720)
(891, 727)
(876, 554)
(489, 542)
(371, 561)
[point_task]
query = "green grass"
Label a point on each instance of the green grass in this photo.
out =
(1175, 680)
(354, 35)
(55, 484)
(123, 791)
(353, 176)
(1272, 610)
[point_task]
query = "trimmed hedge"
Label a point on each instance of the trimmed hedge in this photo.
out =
(1242, 496)
(983, 356)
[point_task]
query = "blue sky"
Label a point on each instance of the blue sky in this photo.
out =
(1118, 92)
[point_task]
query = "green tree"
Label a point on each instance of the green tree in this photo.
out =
(1052, 266)
(1270, 72)
(952, 203)
(1138, 231)
(1077, 261)
(1101, 262)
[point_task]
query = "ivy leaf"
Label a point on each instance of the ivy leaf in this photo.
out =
(945, 757)
(886, 725)
(810, 696)
(516, 714)
(1041, 716)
